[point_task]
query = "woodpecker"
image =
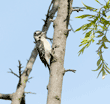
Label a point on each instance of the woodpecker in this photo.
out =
(43, 47)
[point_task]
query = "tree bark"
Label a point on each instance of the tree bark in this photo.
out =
(58, 51)
(19, 96)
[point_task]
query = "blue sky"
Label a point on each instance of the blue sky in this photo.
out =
(18, 21)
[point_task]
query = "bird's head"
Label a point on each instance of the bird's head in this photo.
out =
(37, 35)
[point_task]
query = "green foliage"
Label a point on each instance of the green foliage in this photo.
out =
(98, 2)
(101, 64)
(98, 24)
(84, 16)
(90, 8)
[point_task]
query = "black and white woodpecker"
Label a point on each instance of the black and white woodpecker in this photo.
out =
(43, 47)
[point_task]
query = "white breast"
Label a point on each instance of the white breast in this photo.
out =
(47, 47)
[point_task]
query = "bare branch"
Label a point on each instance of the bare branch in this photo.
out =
(43, 20)
(50, 14)
(20, 67)
(69, 70)
(79, 7)
(13, 73)
(19, 94)
(29, 93)
(51, 20)
(68, 29)
(30, 78)
(71, 28)
(6, 96)
(77, 10)
(49, 39)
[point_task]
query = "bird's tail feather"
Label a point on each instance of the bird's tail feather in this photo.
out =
(48, 67)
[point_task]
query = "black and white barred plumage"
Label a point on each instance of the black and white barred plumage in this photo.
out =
(43, 47)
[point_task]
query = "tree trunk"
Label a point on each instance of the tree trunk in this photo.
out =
(58, 51)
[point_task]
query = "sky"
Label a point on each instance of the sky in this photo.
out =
(19, 19)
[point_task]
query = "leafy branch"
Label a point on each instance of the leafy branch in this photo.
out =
(99, 24)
